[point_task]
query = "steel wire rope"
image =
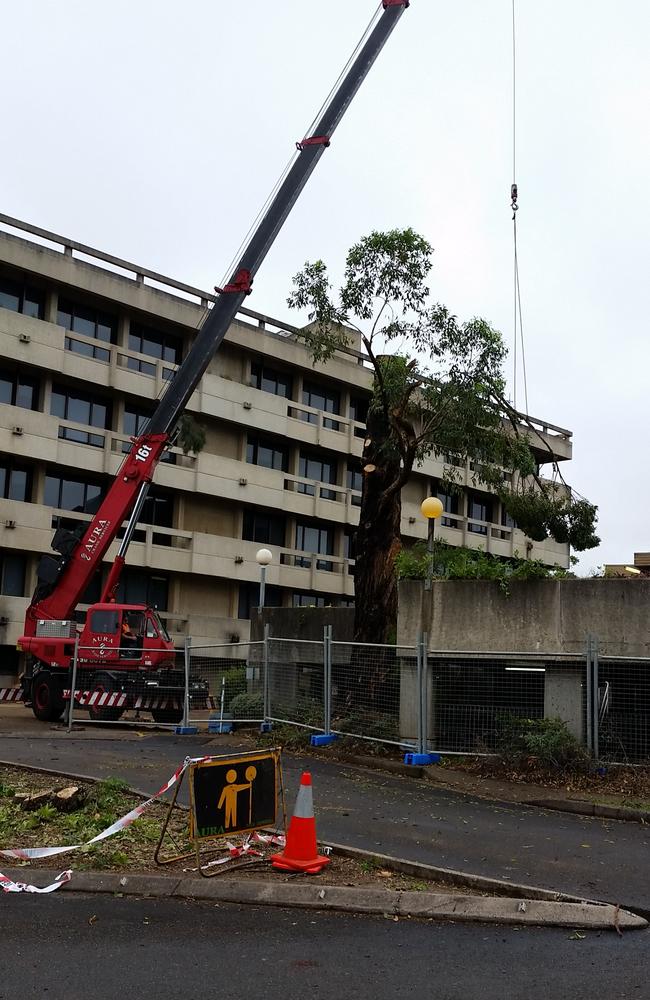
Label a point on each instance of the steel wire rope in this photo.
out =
(517, 310)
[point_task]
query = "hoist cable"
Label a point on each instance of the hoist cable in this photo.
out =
(514, 193)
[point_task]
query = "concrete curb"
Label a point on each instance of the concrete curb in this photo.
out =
(383, 902)
(583, 807)
(480, 883)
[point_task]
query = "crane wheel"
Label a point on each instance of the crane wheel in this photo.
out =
(170, 715)
(47, 697)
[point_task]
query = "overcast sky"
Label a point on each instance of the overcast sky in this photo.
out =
(155, 130)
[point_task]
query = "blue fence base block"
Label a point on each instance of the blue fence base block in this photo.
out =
(266, 727)
(421, 758)
(185, 730)
(322, 740)
(219, 726)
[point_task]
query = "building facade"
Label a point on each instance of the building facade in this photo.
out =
(87, 345)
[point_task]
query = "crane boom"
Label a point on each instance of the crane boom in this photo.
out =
(63, 579)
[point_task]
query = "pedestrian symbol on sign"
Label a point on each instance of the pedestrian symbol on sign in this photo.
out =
(230, 795)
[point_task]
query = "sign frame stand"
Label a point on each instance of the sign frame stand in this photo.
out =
(262, 754)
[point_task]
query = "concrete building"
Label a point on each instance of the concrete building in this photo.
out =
(87, 344)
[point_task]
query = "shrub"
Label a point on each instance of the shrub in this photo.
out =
(543, 742)
(235, 685)
(247, 706)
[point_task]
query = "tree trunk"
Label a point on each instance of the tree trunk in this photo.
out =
(377, 541)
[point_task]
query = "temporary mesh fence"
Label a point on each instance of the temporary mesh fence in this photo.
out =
(474, 698)
(296, 689)
(109, 687)
(375, 692)
(453, 702)
(622, 731)
(226, 684)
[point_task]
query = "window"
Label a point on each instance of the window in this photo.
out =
(449, 503)
(134, 423)
(479, 508)
(139, 587)
(350, 547)
(321, 398)
(104, 621)
(269, 380)
(155, 343)
(507, 522)
(315, 538)
(89, 322)
(20, 297)
(261, 526)
(301, 599)
(72, 494)
(70, 404)
(355, 481)
(267, 452)
(13, 569)
(318, 467)
(158, 510)
(249, 598)
(359, 413)
(17, 389)
(15, 482)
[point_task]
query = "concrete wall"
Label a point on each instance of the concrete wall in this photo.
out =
(545, 616)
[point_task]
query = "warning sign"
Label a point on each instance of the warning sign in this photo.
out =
(233, 795)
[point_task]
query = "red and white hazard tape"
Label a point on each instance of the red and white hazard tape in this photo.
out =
(7, 885)
(269, 840)
(32, 853)
(12, 694)
(101, 699)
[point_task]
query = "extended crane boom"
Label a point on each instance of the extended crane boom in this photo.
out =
(123, 652)
(63, 579)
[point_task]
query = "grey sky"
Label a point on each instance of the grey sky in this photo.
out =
(155, 130)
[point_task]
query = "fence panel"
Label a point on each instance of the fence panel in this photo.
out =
(226, 684)
(115, 692)
(295, 690)
(624, 709)
(473, 697)
(375, 694)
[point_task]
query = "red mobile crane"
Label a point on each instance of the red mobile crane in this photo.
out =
(107, 661)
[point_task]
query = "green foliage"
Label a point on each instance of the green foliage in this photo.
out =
(439, 385)
(545, 743)
(6, 791)
(190, 435)
(46, 813)
(450, 562)
(235, 685)
(247, 706)
(553, 512)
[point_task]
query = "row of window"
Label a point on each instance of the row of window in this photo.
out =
(274, 597)
(273, 453)
(479, 507)
(137, 586)
(96, 324)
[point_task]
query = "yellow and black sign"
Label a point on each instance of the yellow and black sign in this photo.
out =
(233, 794)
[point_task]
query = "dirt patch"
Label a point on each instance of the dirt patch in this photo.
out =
(616, 785)
(133, 849)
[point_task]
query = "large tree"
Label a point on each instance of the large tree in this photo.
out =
(438, 388)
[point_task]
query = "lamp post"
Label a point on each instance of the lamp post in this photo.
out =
(431, 509)
(264, 557)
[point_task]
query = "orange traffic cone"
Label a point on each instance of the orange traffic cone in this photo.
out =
(301, 851)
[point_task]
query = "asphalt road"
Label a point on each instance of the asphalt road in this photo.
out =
(73, 947)
(600, 859)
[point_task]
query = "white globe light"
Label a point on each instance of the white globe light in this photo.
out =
(264, 556)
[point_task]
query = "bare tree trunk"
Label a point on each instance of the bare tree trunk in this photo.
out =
(377, 541)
